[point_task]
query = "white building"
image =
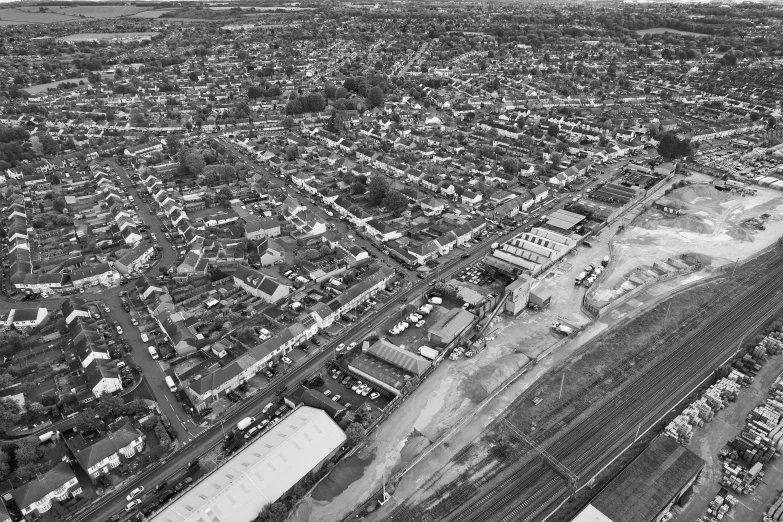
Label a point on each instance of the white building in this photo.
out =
(261, 472)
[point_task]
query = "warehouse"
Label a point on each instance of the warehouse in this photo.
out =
(563, 221)
(663, 475)
(261, 472)
(451, 326)
(388, 366)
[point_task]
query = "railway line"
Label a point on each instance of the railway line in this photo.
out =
(529, 490)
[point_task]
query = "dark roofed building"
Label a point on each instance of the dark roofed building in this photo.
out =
(660, 477)
(36, 496)
(314, 399)
(99, 457)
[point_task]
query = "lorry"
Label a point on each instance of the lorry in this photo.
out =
(580, 278)
(562, 329)
(436, 300)
(153, 352)
(428, 353)
(245, 423)
(170, 384)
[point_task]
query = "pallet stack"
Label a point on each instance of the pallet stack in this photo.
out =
(704, 409)
(740, 479)
(775, 512)
(720, 506)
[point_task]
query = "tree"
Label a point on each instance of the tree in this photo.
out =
(14, 341)
(48, 145)
(193, 76)
(5, 467)
(288, 122)
(355, 433)
(510, 165)
(27, 472)
(376, 189)
(28, 450)
(6, 380)
(291, 152)
(86, 421)
(191, 161)
(553, 130)
(772, 122)
(59, 204)
(671, 146)
(108, 404)
(10, 413)
(357, 187)
(137, 117)
(395, 202)
(324, 250)
(375, 97)
(35, 409)
(448, 291)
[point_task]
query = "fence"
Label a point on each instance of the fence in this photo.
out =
(598, 311)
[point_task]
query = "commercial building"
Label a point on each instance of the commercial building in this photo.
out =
(388, 366)
(451, 326)
(662, 476)
(261, 472)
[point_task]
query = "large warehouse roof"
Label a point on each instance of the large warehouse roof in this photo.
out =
(261, 472)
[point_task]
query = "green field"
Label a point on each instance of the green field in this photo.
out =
(89, 37)
(150, 14)
(99, 11)
(38, 89)
(663, 30)
(12, 16)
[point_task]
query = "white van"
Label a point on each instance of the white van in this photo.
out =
(170, 384)
(145, 338)
(153, 352)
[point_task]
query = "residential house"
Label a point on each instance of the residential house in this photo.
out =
(36, 496)
(98, 458)
(260, 285)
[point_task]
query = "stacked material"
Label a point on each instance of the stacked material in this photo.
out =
(775, 512)
(720, 506)
(703, 410)
(740, 479)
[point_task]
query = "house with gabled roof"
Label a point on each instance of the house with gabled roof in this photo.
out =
(260, 285)
(36, 496)
(98, 458)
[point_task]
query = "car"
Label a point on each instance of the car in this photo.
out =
(352, 345)
(341, 347)
(420, 276)
(119, 330)
(161, 486)
(345, 381)
(315, 342)
(403, 299)
(269, 374)
(420, 323)
(336, 398)
(134, 322)
(337, 375)
(267, 408)
(287, 360)
(357, 386)
(365, 391)
(106, 309)
(328, 393)
(133, 504)
(135, 493)
(374, 395)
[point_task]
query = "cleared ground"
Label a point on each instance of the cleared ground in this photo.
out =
(714, 227)
(12, 16)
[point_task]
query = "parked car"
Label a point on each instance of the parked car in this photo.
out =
(135, 493)
(287, 360)
(374, 395)
(133, 504)
(336, 398)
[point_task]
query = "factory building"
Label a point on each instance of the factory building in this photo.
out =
(647, 489)
(261, 472)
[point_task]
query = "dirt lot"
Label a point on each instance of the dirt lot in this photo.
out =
(713, 226)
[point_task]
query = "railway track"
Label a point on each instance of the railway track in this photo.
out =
(527, 494)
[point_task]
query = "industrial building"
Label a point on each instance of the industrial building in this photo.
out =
(662, 476)
(534, 251)
(261, 472)
(451, 326)
(387, 366)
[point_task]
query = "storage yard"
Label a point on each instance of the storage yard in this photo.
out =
(599, 430)
(714, 227)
